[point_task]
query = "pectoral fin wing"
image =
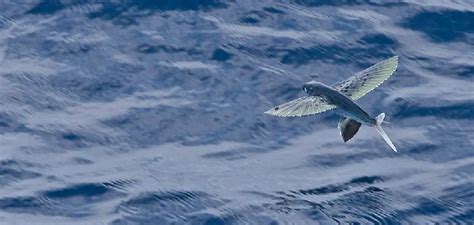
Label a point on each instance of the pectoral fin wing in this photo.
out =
(303, 106)
(367, 80)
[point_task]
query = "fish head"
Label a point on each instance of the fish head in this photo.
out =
(312, 87)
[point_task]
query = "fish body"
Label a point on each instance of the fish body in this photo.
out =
(346, 106)
(342, 96)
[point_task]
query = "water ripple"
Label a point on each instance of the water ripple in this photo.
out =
(146, 112)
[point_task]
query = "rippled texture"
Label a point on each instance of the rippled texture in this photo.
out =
(151, 112)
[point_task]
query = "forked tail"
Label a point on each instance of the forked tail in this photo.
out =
(378, 126)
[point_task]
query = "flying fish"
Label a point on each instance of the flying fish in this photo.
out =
(341, 96)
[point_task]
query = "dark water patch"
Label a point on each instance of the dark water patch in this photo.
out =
(430, 207)
(48, 7)
(236, 217)
(82, 190)
(12, 171)
(253, 17)
(82, 161)
(8, 175)
(71, 137)
(241, 153)
(466, 72)
(442, 26)
(167, 207)
(103, 88)
(319, 3)
(454, 71)
(147, 49)
(462, 110)
(221, 55)
(126, 13)
(330, 189)
(112, 9)
(336, 160)
(365, 180)
(380, 39)
(73, 201)
(73, 140)
(166, 5)
(422, 149)
(249, 20)
(228, 155)
(329, 53)
(9, 123)
(273, 10)
(151, 49)
(323, 190)
(209, 219)
(376, 44)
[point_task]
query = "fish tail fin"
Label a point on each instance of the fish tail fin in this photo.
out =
(378, 127)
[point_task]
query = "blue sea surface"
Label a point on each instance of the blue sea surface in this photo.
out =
(151, 112)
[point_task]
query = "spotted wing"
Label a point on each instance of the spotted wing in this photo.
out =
(301, 107)
(367, 80)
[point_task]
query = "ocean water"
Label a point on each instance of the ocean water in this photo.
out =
(151, 112)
